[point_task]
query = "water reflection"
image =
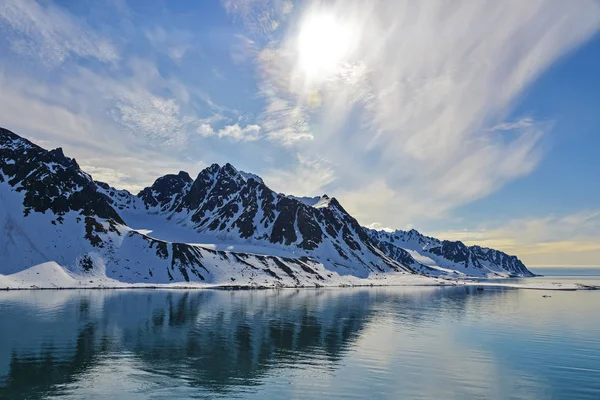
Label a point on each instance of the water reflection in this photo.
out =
(243, 343)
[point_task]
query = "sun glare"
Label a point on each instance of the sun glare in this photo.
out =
(324, 42)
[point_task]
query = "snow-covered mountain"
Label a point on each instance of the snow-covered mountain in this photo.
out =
(447, 257)
(224, 227)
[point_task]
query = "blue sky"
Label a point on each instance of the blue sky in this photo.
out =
(468, 120)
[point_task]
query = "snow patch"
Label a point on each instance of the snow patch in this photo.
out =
(248, 175)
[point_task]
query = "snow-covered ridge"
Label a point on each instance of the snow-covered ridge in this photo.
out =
(449, 257)
(225, 227)
(248, 175)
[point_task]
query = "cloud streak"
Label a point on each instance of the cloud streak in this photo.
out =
(309, 175)
(50, 34)
(419, 98)
(260, 17)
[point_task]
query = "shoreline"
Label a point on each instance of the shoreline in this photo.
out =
(225, 287)
(52, 276)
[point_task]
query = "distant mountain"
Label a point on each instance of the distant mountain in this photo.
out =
(447, 257)
(224, 227)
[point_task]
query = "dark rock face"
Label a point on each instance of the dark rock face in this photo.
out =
(283, 227)
(311, 231)
(49, 180)
(166, 191)
(453, 251)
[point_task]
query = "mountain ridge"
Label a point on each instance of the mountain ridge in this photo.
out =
(483, 258)
(233, 228)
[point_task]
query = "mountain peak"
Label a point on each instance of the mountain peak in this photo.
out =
(164, 189)
(57, 152)
(49, 180)
(185, 176)
(229, 169)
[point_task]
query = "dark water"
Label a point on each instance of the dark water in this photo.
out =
(377, 343)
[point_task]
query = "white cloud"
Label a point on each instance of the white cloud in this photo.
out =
(372, 202)
(48, 33)
(247, 134)
(206, 130)
(31, 108)
(116, 178)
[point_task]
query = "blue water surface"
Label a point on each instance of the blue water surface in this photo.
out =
(367, 343)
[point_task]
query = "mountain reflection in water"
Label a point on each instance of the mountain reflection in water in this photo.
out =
(293, 343)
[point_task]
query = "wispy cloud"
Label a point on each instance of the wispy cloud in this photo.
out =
(155, 116)
(509, 126)
(309, 175)
(52, 116)
(153, 109)
(415, 93)
(284, 122)
(260, 17)
(175, 44)
(243, 49)
(48, 33)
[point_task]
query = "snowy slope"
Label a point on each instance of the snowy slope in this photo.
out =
(226, 227)
(238, 231)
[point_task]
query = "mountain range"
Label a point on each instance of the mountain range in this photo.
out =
(225, 227)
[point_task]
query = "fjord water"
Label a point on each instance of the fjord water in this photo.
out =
(419, 342)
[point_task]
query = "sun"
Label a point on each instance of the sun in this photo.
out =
(324, 42)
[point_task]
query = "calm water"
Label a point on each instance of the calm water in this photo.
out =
(421, 343)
